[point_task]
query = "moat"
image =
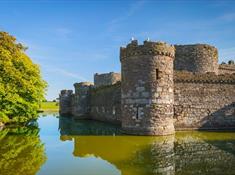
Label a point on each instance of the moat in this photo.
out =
(56, 145)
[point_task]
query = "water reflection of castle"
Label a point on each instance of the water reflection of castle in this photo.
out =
(184, 153)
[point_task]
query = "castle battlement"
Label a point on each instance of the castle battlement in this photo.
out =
(228, 68)
(83, 84)
(161, 88)
(189, 77)
(66, 92)
(148, 48)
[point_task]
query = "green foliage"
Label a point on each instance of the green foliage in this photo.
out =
(21, 151)
(3, 118)
(21, 86)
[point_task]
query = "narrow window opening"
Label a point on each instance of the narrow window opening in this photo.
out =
(137, 112)
(157, 74)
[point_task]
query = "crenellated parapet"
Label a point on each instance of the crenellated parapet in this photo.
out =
(148, 48)
(82, 86)
(210, 78)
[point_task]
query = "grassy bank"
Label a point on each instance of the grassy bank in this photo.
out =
(49, 107)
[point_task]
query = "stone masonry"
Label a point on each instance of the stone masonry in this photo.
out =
(106, 79)
(163, 88)
(147, 88)
(66, 102)
(199, 58)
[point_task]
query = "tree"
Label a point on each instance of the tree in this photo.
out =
(21, 86)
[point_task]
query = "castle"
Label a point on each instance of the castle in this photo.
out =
(162, 88)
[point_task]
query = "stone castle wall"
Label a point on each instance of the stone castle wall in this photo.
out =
(106, 103)
(106, 79)
(200, 58)
(226, 68)
(81, 99)
(204, 101)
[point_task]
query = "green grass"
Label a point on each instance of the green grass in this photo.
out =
(49, 106)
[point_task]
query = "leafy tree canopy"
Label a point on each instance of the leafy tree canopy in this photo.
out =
(21, 85)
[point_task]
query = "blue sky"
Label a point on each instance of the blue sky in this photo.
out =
(71, 40)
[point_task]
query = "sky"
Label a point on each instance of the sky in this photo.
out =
(71, 39)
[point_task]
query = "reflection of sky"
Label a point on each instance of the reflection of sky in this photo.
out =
(60, 159)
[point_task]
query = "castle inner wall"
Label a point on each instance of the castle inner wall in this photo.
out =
(106, 103)
(204, 102)
(226, 69)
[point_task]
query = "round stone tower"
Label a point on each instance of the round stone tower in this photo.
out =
(147, 88)
(65, 100)
(200, 58)
(81, 106)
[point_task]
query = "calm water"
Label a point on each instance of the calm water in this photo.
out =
(60, 146)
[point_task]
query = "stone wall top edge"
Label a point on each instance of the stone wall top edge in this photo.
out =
(227, 66)
(83, 84)
(148, 48)
(109, 73)
(189, 77)
(66, 91)
(106, 86)
(196, 45)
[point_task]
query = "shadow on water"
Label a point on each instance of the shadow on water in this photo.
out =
(181, 154)
(69, 126)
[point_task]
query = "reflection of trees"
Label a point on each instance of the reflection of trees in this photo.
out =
(22, 152)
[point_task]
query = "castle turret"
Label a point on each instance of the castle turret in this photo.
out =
(65, 100)
(82, 98)
(200, 58)
(147, 88)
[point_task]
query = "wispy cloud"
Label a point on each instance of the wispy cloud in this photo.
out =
(64, 72)
(135, 7)
(227, 17)
(85, 55)
(63, 32)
